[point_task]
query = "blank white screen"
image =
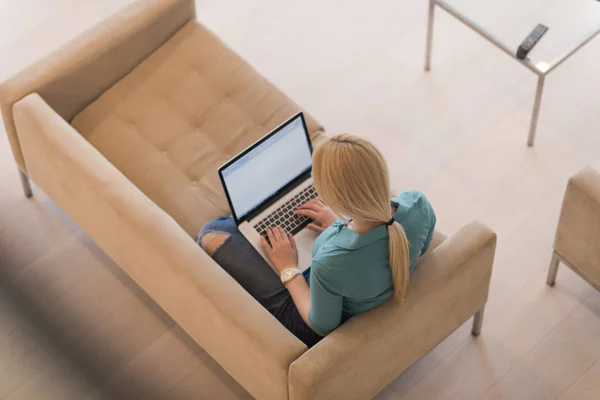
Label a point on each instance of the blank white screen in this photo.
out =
(268, 167)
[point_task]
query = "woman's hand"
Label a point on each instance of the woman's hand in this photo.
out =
(282, 252)
(319, 212)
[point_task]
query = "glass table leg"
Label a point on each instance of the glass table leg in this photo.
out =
(536, 109)
(429, 35)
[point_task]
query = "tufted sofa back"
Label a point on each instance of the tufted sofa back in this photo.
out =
(72, 77)
(184, 111)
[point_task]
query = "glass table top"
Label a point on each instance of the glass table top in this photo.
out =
(571, 24)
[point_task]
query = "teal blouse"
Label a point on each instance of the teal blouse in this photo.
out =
(350, 272)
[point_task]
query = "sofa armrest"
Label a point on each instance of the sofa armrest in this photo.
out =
(156, 253)
(77, 73)
(370, 350)
(578, 232)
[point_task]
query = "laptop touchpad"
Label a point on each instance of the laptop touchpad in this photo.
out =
(304, 241)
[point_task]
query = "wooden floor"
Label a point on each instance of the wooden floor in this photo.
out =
(73, 326)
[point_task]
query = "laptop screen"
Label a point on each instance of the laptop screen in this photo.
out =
(265, 168)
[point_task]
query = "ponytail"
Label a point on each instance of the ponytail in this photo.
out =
(399, 261)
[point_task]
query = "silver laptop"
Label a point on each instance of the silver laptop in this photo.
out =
(267, 182)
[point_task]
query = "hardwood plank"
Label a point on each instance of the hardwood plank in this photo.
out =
(57, 380)
(20, 357)
(587, 387)
(557, 361)
(145, 378)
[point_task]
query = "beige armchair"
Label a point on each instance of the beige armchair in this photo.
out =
(577, 242)
(124, 128)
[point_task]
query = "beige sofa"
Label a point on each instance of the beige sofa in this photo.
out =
(124, 128)
(577, 242)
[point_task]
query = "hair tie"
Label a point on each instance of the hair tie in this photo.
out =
(390, 222)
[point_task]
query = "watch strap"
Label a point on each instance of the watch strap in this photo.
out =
(288, 274)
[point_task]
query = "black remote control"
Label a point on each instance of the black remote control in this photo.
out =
(531, 41)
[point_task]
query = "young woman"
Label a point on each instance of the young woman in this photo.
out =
(358, 262)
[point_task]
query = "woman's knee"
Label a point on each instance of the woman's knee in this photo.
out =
(212, 241)
(219, 224)
(215, 233)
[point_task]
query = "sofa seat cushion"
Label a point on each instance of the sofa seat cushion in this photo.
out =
(185, 110)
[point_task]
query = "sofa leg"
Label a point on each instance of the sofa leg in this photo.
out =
(477, 323)
(553, 270)
(26, 184)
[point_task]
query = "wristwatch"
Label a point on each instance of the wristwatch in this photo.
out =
(288, 274)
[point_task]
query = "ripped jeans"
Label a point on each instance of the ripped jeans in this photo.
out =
(240, 260)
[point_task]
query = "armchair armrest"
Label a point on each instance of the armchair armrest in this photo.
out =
(578, 232)
(156, 252)
(359, 358)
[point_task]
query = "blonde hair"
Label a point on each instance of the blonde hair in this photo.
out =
(352, 177)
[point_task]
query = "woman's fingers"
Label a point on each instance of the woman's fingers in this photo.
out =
(271, 236)
(281, 233)
(308, 213)
(292, 241)
(276, 235)
(306, 206)
(315, 227)
(313, 204)
(265, 245)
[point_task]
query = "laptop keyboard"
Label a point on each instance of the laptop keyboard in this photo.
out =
(285, 216)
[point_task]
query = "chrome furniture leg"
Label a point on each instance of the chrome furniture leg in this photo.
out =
(26, 184)
(477, 323)
(553, 270)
